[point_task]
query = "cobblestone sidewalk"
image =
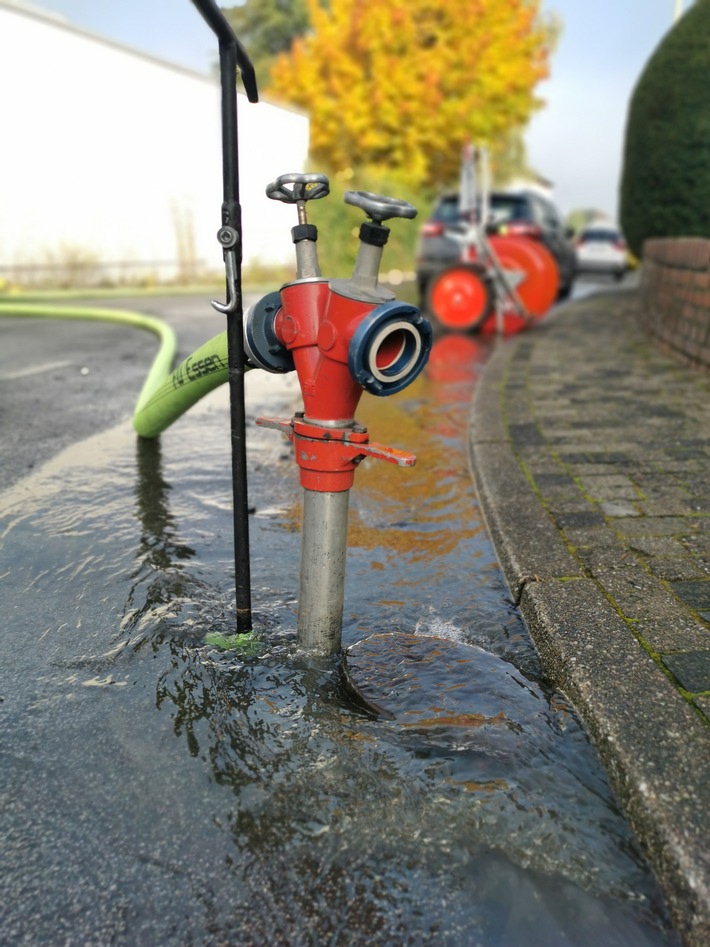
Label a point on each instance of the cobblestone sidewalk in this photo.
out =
(591, 454)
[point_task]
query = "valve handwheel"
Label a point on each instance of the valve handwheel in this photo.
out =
(378, 207)
(295, 187)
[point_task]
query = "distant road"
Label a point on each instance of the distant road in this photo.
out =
(587, 284)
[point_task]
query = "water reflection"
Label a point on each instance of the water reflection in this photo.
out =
(429, 511)
(162, 586)
(457, 358)
(159, 548)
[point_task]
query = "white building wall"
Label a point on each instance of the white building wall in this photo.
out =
(104, 149)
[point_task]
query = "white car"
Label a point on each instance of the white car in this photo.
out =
(601, 248)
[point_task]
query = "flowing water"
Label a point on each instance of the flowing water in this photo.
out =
(155, 790)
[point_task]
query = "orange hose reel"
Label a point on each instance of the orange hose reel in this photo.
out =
(463, 296)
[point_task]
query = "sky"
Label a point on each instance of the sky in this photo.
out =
(575, 141)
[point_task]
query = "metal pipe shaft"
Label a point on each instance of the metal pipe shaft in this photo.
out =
(323, 545)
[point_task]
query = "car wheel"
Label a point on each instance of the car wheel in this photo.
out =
(422, 288)
(565, 289)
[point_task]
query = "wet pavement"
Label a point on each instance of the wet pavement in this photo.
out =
(591, 454)
(63, 382)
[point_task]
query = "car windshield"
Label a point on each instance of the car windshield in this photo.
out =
(503, 207)
(600, 236)
(447, 210)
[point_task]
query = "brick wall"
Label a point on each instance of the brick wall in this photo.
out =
(675, 296)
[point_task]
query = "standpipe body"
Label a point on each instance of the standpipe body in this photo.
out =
(318, 326)
(324, 535)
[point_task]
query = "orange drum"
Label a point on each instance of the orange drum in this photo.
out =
(538, 288)
(461, 297)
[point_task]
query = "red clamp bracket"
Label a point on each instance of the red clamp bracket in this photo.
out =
(328, 457)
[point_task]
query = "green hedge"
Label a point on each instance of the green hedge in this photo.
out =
(665, 186)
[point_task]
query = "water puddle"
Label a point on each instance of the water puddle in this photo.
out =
(155, 790)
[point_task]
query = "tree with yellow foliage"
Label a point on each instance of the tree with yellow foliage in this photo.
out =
(399, 85)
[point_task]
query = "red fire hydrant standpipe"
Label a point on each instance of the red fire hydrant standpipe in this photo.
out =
(342, 337)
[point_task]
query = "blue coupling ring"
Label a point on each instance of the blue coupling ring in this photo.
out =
(389, 349)
(261, 344)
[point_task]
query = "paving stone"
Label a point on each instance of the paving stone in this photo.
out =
(670, 506)
(611, 487)
(657, 545)
(696, 594)
(585, 517)
(619, 508)
(526, 435)
(667, 629)
(555, 485)
(604, 558)
(691, 668)
(652, 526)
(672, 569)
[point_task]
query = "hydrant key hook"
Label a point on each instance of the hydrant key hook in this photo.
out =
(343, 337)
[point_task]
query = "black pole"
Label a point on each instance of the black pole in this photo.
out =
(231, 54)
(232, 218)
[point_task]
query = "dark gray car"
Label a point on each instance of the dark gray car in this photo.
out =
(520, 213)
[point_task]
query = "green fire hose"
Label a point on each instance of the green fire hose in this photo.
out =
(166, 394)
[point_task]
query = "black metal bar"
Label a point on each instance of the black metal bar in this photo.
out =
(231, 54)
(218, 23)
